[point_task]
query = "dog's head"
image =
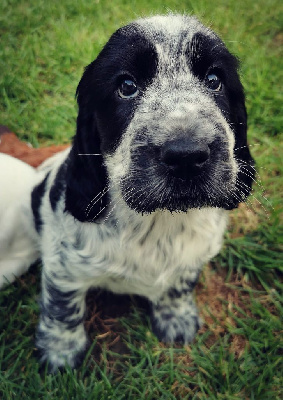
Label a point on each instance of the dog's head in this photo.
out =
(162, 123)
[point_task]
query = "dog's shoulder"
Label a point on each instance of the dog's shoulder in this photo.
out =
(49, 190)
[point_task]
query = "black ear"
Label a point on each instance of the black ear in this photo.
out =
(243, 156)
(86, 176)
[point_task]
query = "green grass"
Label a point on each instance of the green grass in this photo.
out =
(43, 50)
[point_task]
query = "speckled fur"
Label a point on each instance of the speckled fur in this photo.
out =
(158, 254)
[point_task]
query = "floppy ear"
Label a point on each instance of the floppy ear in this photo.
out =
(244, 159)
(86, 176)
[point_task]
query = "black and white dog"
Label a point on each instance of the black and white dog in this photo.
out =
(139, 203)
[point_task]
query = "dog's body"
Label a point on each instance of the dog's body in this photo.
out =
(140, 202)
(158, 256)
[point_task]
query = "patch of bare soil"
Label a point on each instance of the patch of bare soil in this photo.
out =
(217, 301)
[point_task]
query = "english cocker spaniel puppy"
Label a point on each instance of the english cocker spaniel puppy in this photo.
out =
(139, 203)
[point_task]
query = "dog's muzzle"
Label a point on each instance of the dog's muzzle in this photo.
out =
(185, 159)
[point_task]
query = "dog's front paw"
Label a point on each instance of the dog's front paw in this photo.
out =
(176, 322)
(59, 350)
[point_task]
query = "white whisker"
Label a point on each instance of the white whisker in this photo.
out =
(247, 146)
(89, 154)
(95, 200)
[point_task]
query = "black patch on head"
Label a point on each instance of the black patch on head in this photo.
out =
(206, 55)
(209, 55)
(36, 200)
(103, 117)
(127, 53)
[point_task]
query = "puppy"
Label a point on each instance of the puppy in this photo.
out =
(139, 204)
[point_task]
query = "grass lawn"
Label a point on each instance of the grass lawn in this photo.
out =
(44, 46)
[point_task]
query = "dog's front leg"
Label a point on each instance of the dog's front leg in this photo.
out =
(174, 315)
(61, 337)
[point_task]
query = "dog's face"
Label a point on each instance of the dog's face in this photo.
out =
(162, 108)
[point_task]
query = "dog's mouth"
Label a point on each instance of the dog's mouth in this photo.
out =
(146, 194)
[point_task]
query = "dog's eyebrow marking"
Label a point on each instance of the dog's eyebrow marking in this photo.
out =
(200, 54)
(204, 52)
(137, 55)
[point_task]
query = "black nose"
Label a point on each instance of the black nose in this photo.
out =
(185, 158)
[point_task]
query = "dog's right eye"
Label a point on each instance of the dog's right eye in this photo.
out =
(128, 89)
(213, 82)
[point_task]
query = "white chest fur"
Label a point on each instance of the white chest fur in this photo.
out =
(136, 254)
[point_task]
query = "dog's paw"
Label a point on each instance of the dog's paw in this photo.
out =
(57, 352)
(58, 361)
(175, 324)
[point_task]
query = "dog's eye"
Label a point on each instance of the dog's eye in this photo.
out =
(128, 89)
(213, 82)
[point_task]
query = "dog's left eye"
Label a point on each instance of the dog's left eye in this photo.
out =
(213, 82)
(128, 89)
